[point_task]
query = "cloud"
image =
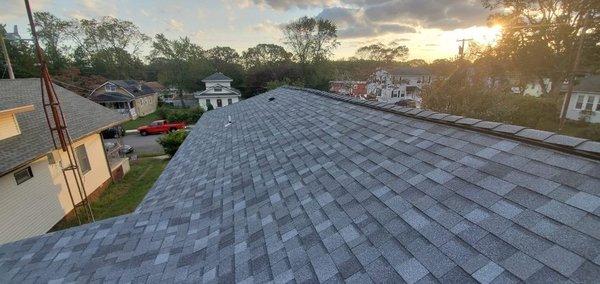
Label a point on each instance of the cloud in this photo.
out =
(377, 17)
(441, 14)
(288, 4)
(175, 25)
(352, 23)
(14, 10)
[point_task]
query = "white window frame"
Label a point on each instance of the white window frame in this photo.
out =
(586, 99)
(583, 102)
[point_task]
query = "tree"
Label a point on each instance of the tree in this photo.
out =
(381, 52)
(22, 57)
(222, 55)
(52, 33)
(540, 36)
(99, 39)
(265, 55)
(179, 63)
(311, 39)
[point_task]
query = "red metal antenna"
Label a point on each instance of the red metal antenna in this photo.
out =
(58, 129)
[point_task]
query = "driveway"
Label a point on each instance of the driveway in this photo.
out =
(142, 144)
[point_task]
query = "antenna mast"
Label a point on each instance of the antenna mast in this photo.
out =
(58, 130)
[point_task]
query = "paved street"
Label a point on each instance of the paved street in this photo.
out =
(141, 144)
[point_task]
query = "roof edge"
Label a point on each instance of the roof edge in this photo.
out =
(568, 144)
(93, 132)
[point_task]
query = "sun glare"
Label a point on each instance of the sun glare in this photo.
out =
(480, 35)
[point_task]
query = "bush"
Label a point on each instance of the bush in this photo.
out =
(209, 106)
(187, 115)
(172, 141)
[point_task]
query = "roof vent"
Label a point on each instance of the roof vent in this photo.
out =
(271, 99)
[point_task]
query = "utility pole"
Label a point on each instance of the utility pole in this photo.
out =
(11, 74)
(569, 94)
(461, 48)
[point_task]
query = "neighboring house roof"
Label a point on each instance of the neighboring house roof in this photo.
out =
(110, 97)
(410, 71)
(130, 86)
(217, 77)
(310, 186)
(156, 86)
(83, 118)
(588, 84)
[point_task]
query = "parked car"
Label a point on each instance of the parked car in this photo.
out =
(113, 132)
(125, 149)
(160, 126)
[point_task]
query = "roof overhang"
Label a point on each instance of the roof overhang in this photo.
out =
(15, 110)
(50, 149)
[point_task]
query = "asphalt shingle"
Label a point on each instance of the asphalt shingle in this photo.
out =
(83, 117)
(309, 188)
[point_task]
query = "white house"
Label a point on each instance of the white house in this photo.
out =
(533, 88)
(399, 84)
(585, 101)
(34, 194)
(218, 92)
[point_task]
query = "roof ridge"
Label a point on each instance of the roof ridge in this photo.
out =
(560, 142)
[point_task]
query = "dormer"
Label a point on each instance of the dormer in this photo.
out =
(9, 125)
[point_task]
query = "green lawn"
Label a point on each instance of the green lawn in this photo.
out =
(145, 120)
(124, 196)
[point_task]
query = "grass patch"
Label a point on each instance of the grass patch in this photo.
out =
(124, 196)
(140, 121)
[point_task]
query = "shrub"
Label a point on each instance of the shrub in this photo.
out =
(187, 115)
(209, 106)
(172, 141)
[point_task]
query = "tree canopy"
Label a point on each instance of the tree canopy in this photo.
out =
(311, 39)
(381, 52)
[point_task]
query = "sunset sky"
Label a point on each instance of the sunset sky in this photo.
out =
(430, 28)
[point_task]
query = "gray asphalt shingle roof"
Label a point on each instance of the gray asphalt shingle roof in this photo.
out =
(309, 188)
(83, 117)
(588, 84)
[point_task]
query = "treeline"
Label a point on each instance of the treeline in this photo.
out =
(83, 53)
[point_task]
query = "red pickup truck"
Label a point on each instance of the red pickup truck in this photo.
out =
(160, 126)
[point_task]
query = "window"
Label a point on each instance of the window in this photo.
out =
(579, 103)
(110, 87)
(207, 102)
(229, 101)
(598, 104)
(219, 103)
(590, 102)
(218, 89)
(82, 159)
(23, 175)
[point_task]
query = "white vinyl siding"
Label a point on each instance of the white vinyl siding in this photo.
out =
(33, 207)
